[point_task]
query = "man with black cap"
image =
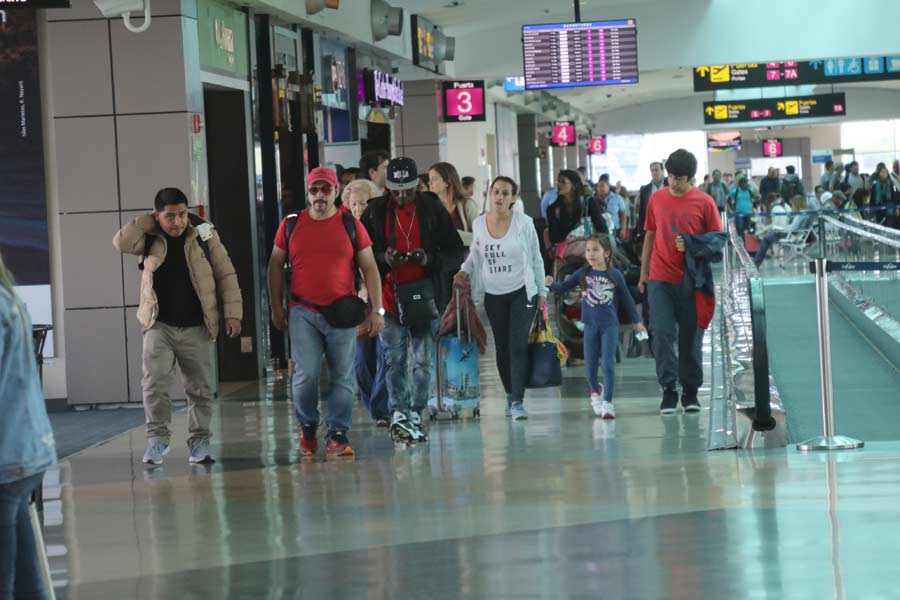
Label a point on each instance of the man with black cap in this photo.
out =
(326, 249)
(415, 244)
(679, 218)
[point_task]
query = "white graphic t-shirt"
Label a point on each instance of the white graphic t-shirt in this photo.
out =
(503, 267)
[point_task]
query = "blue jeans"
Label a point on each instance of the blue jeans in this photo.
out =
(311, 338)
(370, 376)
(764, 246)
(20, 565)
(600, 350)
(407, 393)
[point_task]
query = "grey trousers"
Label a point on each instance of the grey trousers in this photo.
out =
(191, 347)
(673, 316)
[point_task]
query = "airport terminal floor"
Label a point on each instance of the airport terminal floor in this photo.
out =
(563, 505)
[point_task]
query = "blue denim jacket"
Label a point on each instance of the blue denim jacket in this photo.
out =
(27, 446)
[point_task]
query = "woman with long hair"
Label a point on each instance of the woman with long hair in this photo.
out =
(27, 447)
(443, 181)
(505, 267)
(566, 213)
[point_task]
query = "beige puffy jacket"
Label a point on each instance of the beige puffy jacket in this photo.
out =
(212, 279)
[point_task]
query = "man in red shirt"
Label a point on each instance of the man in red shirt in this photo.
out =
(323, 275)
(680, 209)
(415, 242)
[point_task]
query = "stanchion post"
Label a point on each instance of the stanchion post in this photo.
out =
(828, 441)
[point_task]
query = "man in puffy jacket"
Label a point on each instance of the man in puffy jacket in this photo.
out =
(185, 273)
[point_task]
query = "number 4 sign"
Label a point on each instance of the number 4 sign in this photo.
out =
(563, 134)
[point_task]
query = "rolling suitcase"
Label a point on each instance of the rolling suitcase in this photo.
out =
(456, 365)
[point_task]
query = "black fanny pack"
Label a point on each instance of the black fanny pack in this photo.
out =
(415, 302)
(343, 313)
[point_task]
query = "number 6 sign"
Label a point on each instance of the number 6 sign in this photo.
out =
(463, 101)
(772, 148)
(597, 144)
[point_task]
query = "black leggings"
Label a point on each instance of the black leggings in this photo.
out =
(511, 316)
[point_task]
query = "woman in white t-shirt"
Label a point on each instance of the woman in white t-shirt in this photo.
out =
(505, 266)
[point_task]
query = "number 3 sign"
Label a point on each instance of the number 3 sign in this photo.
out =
(463, 101)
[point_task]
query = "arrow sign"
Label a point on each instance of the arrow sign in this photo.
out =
(702, 71)
(815, 64)
(709, 110)
(780, 106)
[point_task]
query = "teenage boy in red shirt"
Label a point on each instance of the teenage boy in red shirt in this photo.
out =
(678, 210)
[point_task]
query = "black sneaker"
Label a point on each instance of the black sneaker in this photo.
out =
(669, 402)
(689, 400)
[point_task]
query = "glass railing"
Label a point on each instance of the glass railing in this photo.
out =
(745, 399)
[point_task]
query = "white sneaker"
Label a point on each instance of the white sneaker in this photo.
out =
(597, 404)
(607, 411)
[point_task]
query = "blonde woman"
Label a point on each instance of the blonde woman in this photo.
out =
(443, 180)
(27, 448)
(369, 361)
(357, 194)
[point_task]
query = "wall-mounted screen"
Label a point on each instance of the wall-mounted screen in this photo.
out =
(463, 101)
(563, 134)
(597, 144)
(726, 141)
(560, 55)
(772, 148)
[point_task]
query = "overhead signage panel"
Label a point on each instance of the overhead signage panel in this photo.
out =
(33, 4)
(709, 78)
(775, 109)
(463, 101)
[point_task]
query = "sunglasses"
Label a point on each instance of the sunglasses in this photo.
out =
(325, 188)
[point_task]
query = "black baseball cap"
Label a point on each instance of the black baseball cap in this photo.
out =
(402, 174)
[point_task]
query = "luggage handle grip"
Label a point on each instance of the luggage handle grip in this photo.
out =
(459, 319)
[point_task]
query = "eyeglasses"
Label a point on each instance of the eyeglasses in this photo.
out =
(325, 188)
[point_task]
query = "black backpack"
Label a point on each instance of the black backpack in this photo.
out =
(349, 222)
(195, 221)
(790, 188)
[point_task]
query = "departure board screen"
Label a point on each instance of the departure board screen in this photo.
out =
(560, 55)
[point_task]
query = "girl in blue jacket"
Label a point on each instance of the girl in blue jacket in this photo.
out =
(27, 448)
(603, 288)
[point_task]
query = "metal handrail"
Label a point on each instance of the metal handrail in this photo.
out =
(762, 418)
(874, 226)
(862, 232)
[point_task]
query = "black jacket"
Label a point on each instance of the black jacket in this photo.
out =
(560, 222)
(440, 241)
(643, 201)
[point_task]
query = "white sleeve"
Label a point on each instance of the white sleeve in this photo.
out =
(537, 261)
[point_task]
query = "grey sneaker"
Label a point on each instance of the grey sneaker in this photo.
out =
(200, 453)
(156, 450)
(518, 412)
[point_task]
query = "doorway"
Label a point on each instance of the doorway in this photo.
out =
(378, 138)
(232, 211)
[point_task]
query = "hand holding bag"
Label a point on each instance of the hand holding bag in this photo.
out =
(544, 357)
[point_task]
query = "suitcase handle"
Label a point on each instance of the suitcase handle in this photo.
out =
(459, 320)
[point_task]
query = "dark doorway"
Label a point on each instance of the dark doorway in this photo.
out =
(231, 205)
(379, 138)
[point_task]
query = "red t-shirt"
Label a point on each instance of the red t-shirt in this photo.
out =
(670, 216)
(409, 238)
(322, 257)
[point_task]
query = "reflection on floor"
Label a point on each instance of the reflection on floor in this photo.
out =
(561, 506)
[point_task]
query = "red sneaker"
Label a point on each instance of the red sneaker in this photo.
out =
(338, 446)
(308, 442)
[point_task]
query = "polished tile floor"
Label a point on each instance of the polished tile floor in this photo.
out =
(561, 506)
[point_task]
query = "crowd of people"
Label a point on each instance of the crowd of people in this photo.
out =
(359, 279)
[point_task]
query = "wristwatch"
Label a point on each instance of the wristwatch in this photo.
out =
(380, 311)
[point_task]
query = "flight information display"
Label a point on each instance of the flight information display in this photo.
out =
(561, 55)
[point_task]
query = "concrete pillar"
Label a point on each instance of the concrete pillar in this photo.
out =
(120, 109)
(419, 134)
